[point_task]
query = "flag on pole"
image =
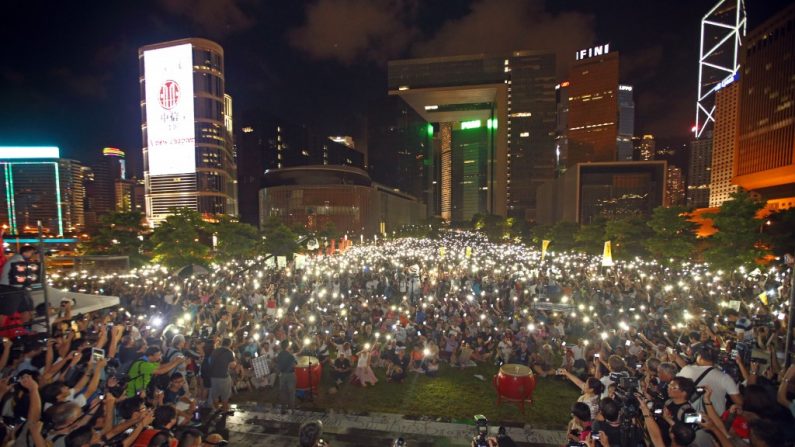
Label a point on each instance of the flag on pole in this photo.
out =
(441, 252)
(607, 256)
(763, 298)
(544, 246)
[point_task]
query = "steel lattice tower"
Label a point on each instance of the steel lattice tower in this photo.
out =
(722, 35)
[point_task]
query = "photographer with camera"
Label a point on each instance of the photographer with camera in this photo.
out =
(705, 373)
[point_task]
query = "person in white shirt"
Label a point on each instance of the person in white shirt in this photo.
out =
(722, 384)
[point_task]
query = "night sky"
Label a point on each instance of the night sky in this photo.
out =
(69, 69)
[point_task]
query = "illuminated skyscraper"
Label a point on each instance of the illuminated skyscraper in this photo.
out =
(189, 154)
(699, 169)
(493, 131)
(100, 178)
(765, 157)
(675, 186)
(593, 107)
(722, 35)
(38, 185)
(648, 147)
(626, 123)
(724, 144)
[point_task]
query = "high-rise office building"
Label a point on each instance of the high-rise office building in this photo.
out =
(626, 123)
(562, 126)
(100, 179)
(724, 144)
(265, 143)
(765, 157)
(699, 168)
(675, 186)
(588, 191)
(399, 147)
(593, 107)
(722, 35)
(647, 148)
(494, 123)
(189, 153)
(38, 185)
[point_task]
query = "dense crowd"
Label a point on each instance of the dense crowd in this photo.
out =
(664, 354)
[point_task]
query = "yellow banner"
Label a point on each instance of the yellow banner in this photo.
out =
(468, 252)
(607, 256)
(763, 298)
(544, 246)
(441, 252)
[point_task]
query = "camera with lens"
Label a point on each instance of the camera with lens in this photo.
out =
(481, 431)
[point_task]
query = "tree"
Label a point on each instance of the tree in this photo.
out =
(781, 228)
(562, 235)
(739, 240)
(119, 234)
(236, 240)
(591, 237)
(627, 235)
(181, 239)
(279, 240)
(674, 235)
(537, 233)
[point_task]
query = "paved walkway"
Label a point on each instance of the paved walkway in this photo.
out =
(256, 425)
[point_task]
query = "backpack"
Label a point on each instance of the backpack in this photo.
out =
(697, 400)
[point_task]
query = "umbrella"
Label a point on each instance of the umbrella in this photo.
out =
(192, 269)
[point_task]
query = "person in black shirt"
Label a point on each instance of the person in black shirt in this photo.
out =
(607, 421)
(285, 367)
(342, 369)
(220, 381)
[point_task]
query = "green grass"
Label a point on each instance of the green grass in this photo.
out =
(455, 394)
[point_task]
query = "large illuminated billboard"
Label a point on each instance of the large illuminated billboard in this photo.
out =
(168, 77)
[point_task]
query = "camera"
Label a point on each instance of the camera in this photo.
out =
(481, 431)
(692, 418)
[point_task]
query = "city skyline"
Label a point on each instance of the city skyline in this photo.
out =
(85, 103)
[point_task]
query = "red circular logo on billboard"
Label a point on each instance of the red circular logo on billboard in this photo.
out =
(169, 94)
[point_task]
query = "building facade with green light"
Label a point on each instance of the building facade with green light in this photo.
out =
(492, 121)
(37, 185)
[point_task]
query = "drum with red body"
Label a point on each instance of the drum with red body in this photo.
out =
(308, 370)
(515, 383)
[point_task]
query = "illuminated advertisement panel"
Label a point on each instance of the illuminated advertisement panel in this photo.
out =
(168, 77)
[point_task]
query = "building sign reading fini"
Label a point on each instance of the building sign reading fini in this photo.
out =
(591, 52)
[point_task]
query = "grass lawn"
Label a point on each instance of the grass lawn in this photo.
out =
(455, 394)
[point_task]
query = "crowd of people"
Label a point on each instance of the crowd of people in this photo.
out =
(665, 354)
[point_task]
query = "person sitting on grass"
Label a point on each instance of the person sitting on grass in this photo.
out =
(364, 374)
(341, 369)
(397, 369)
(417, 358)
(465, 356)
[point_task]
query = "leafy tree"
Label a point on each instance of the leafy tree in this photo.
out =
(329, 231)
(119, 234)
(781, 228)
(236, 240)
(739, 240)
(591, 237)
(495, 227)
(478, 221)
(537, 233)
(628, 235)
(517, 227)
(562, 235)
(181, 239)
(674, 235)
(280, 240)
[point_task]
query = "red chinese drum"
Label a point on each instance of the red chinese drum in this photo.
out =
(306, 374)
(515, 383)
